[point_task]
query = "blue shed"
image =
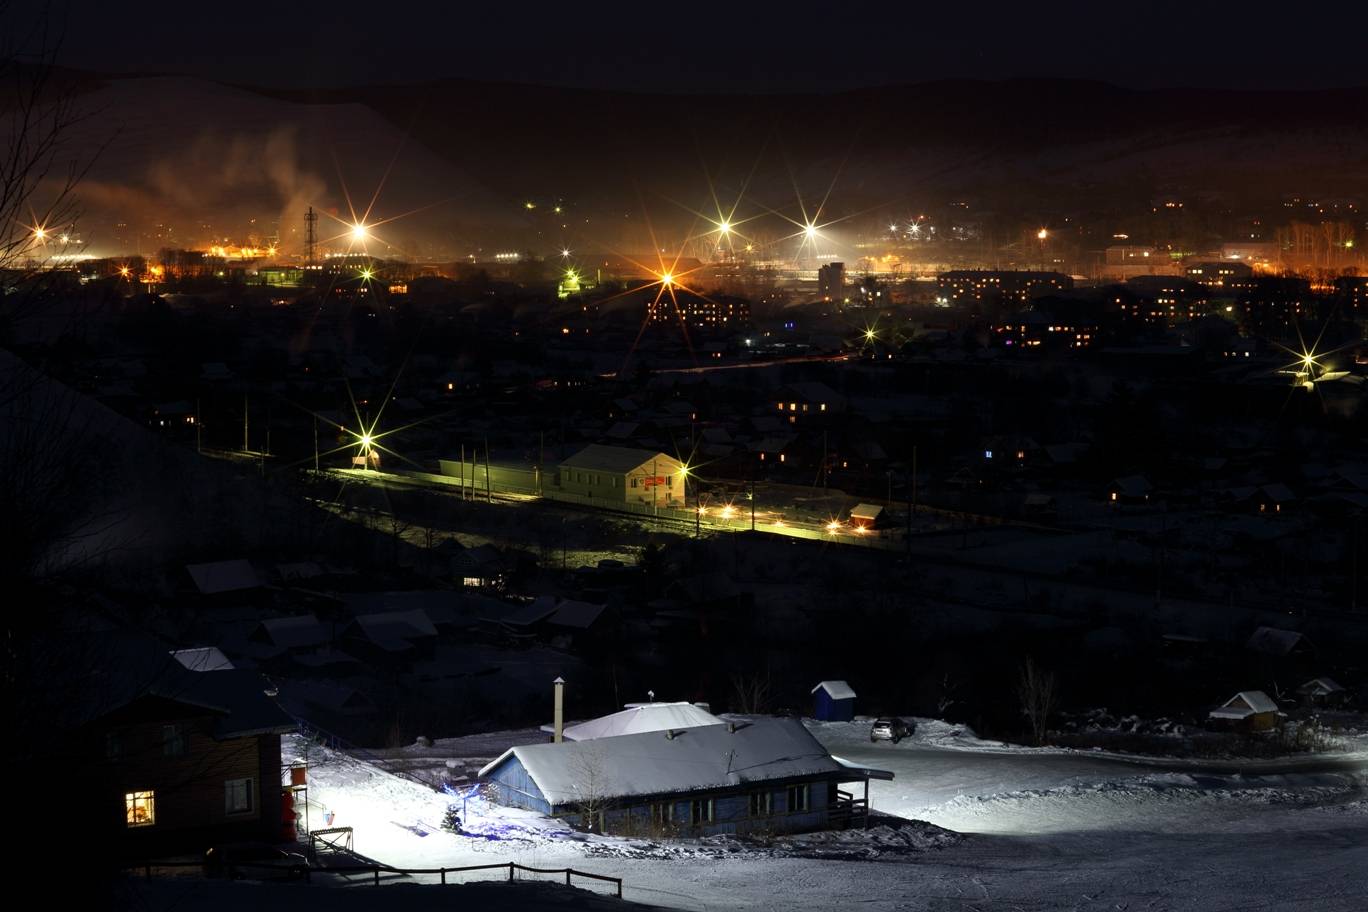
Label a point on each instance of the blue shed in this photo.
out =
(833, 701)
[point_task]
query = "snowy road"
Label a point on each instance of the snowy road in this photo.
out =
(1047, 830)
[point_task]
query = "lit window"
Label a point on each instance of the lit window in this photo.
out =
(822, 407)
(237, 796)
(140, 808)
(793, 406)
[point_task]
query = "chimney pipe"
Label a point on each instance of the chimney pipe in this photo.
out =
(559, 719)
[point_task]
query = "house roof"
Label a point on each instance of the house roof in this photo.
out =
(1321, 687)
(293, 632)
(1278, 493)
(224, 576)
(1244, 704)
(694, 759)
(126, 668)
(571, 613)
(396, 625)
(1273, 641)
(518, 615)
(776, 443)
(202, 658)
(813, 391)
(837, 690)
(1133, 485)
(643, 717)
(599, 458)
(866, 511)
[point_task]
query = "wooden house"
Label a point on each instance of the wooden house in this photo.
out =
(183, 759)
(769, 775)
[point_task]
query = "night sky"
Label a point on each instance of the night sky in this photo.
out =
(720, 47)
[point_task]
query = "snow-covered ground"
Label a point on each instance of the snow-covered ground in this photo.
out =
(1044, 829)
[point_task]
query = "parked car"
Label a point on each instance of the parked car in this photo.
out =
(889, 730)
(254, 861)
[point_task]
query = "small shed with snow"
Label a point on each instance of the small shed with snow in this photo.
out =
(1248, 710)
(833, 701)
(865, 516)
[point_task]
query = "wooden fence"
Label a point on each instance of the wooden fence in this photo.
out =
(375, 870)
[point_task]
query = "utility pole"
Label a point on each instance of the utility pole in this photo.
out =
(698, 511)
(489, 486)
(752, 498)
(541, 457)
(462, 475)
(914, 478)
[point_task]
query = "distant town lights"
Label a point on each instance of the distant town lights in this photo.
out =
(1042, 234)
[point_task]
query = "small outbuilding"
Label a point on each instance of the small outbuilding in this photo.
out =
(1323, 692)
(833, 701)
(1248, 710)
(866, 516)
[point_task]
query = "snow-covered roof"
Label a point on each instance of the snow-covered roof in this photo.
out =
(1245, 703)
(1274, 641)
(688, 760)
(619, 460)
(518, 615)
(866, 511)
(224, 576)
(837, 690)
(292, 632)
(634, 720)
(202, 658)
(396, 625)
(571, 613)
(1321, 687)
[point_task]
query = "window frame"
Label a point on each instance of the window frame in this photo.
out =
(697, 809)
(144, 799)
(229, 809)
(765, 802)
(175, 740)
(793, 792)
